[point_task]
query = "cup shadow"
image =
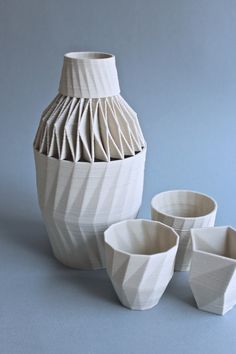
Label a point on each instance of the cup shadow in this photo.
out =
(179, 289)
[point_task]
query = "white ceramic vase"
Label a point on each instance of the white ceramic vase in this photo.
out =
(90, 156)
(212, 274)
(140, 257)
(184, 210)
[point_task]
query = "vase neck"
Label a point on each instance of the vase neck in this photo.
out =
(89, 75)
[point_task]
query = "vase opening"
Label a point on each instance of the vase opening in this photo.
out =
(84, 56)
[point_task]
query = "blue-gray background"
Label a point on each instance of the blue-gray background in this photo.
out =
(176, 63)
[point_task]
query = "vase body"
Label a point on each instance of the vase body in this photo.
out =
(90, 156)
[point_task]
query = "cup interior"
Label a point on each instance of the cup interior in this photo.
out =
(183, 204)
(141, 237)
(218, 240)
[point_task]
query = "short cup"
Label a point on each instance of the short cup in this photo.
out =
(184, 210)
(140, 256)
(212, 274)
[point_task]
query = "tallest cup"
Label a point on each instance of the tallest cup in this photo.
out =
(89, 156)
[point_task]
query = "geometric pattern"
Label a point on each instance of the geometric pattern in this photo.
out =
(80, 129)
(212, 274)
(140, 257)
(184, 210)
(89, 75)
(89, 156)
(80, 200)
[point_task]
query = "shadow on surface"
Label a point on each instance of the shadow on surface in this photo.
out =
(95, 285)
(180, 290)
(27, 235)
(26, 242)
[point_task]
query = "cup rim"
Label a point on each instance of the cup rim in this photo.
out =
(184, 217)
(141, 254)
(195, 250)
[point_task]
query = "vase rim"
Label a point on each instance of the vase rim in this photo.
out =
(89, 75)
(88, 56)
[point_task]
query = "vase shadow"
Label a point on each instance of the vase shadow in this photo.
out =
(29, 236)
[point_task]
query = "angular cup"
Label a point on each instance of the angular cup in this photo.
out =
(140, 256)
(212, 274)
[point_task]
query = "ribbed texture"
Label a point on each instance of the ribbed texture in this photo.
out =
(89, 76)
(184, 210)
(212, 274)
(80, 200)
(138, 273)
(78, 129)
(90, 157)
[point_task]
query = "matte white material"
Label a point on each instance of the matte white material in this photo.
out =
(80, 200)
(89, 75)
(78, 129)
(140, 256)
(184, 210)
(212, 274)
(90, 156)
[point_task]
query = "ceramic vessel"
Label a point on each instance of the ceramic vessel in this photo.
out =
(212, 274)
(184, 210)
(140, 256)
(90, 156)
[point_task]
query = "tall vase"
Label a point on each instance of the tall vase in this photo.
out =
(89, 155)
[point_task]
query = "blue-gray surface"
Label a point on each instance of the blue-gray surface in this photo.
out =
(176, 63)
